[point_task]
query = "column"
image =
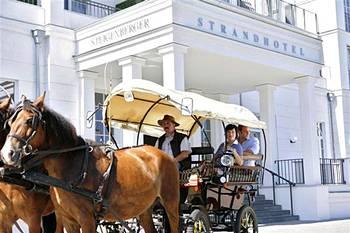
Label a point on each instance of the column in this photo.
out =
(173, 65)
(131, 69)
(268, 114)
(308, 130)
(87, 103)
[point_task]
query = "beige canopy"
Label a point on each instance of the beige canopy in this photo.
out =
(149, 102)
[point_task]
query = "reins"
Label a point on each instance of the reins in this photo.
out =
(34, 158)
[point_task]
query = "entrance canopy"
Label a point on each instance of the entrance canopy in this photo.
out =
(141, 102)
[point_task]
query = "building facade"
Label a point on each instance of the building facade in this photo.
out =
(279, 59)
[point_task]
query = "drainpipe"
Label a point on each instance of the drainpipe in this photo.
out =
(331, 98)
(37, 35)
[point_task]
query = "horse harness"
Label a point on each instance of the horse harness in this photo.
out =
(33, 159)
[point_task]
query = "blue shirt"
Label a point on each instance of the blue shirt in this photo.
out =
(252, 144)
(221, 150)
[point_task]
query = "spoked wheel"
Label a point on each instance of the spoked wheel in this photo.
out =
(246, 221)
(198, 223)
(117, 227)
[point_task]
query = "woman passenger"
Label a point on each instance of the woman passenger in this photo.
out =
(231, 145)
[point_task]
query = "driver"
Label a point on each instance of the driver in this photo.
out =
(231, 145)
(175, 145)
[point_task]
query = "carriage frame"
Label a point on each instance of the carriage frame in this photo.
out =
(138, 104)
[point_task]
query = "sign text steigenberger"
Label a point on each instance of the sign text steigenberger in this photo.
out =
(249, 37)
(120, 33)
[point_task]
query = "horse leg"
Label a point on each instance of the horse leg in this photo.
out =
(172, 210)
(6, 228)
(59, 225)
(146, 221)
(169, 196)
(34, 224)
(88, 225)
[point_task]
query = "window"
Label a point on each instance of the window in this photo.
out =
(321, 136)
(206, 130)
(347, 15)
(7, 88)
(348, 49)
(290, 14)
(101, 133)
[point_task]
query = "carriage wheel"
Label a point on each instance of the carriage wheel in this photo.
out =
(199, 222)
(246, 221)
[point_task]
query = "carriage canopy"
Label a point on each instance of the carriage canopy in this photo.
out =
(143, 102)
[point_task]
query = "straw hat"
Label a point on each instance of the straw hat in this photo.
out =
(168, 118)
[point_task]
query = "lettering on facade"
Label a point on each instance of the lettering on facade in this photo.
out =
(120, 33)
(247, 36)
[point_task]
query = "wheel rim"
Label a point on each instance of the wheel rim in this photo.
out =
(247, 223)
(199, 226)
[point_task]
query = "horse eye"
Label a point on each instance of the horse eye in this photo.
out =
(29, 121)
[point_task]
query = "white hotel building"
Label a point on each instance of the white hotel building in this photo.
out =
(283, 62)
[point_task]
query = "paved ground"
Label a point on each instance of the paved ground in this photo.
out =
(335, 226)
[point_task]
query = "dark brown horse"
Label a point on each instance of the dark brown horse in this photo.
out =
(15, 201)
(142, 173)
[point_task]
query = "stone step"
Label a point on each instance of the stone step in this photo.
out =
(267, 207)
(272, 213)
(260, 197)
(266, 212)
(263, 202)
(277, 219)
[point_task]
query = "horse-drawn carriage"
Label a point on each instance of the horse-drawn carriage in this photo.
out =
(139, 104)
(89, 184)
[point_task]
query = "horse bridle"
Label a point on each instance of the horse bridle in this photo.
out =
(36, 120)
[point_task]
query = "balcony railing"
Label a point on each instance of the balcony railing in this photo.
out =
(291, 169)
(332, 171)
(281, 11)
(90, 8)
(33, 2)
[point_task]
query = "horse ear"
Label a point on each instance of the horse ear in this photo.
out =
(5, 104)
(39, 102)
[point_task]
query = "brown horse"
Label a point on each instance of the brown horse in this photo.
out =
(141, 173)
(15, 201)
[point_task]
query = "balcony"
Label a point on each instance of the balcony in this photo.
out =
(332, 171)
(33, 2)
(91, 8)
(278, 10)
(291, 169)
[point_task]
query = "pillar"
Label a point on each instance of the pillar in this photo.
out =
(173, 65)
(87, 103)
(268, 115)
(308, 130)
(131, 69)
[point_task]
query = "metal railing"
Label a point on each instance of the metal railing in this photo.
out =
(291, 169)
(290, 183)
(91, 8)
(332, 171)
(33, 2)
(282, 11)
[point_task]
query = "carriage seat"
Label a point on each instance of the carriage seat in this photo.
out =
(200, 154)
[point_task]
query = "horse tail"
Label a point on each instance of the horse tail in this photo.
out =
(170, 190)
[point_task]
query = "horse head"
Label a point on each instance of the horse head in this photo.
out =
(5, 113)
(26, 131)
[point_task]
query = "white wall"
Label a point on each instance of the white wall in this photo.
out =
(57, 67)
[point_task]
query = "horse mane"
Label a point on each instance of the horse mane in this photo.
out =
(57, 127)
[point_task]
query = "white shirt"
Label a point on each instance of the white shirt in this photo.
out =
(166, 147)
